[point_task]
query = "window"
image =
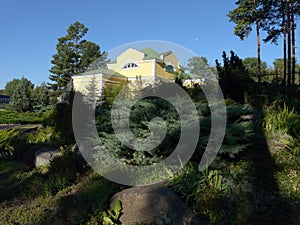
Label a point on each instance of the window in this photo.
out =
(130, 66)
(169, 68)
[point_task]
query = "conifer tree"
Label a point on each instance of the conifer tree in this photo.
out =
(245, 15)
(74, 55)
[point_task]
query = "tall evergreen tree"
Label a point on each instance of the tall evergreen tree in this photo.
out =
(281, 16)
(234, 78)
(74, 55)
(245, 15)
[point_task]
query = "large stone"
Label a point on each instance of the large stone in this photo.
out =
(154, 204)
(44, 155)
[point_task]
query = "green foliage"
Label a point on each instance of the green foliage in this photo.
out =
(111, 217)
(140, 116)
(60, 174)
(198, 66)
(6, 142)
(68, 164)
(251, 65)
(13, 117)
(20, 98)
(239, 130)
(10, 87)
(55, 183)
(74, 55)
(111, 92)
(40, 95)
(32, 197)
(284, 122)
(202, 191)
(233, 77)
(247, 13)
(49, 118)
(280, 119)
(63, 122)
(42, 136)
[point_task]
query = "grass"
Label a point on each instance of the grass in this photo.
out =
(260, 185)
(23, 200)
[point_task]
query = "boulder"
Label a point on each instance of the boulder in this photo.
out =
(44, 155)
(154, 204)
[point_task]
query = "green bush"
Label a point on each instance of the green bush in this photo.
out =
(42, 136)
(63, 171)
(13, 117)
(204, 191)
(6, 142)
(283, 120)
(55, 183)
(283, 123)
(49, 118)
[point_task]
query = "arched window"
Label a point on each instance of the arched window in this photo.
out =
(129, 66)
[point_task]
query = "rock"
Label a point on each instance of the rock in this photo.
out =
(44, 155)
(154, 203)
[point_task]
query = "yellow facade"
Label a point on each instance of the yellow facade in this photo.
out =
(147, 65)
(162, 73)
(171, 59)
(98, 81)
(145, 68)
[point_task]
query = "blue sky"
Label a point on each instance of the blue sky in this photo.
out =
(30, 30)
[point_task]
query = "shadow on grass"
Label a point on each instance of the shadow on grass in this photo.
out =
(78, 207)
(18, 183)
(267, 204)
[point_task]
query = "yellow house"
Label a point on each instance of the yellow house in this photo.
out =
(147, 65)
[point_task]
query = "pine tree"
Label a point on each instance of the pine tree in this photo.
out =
(247, 14)
(74, 55)
(281, 21)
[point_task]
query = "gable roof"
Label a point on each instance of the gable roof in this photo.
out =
(150, 53)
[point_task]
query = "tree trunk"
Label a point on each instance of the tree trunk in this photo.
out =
(284, 41)
(258, 44)
(289, 46)
(293, 46)
(258, 52)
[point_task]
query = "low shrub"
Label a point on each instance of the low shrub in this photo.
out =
(6, 142)
(13, 117)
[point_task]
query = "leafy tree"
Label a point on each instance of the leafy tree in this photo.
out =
(74, 55)
(250, 64)
(10, 86)
(22, 94)
(278, 65)
(197, 65)
(245, 15)
(40, 95)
